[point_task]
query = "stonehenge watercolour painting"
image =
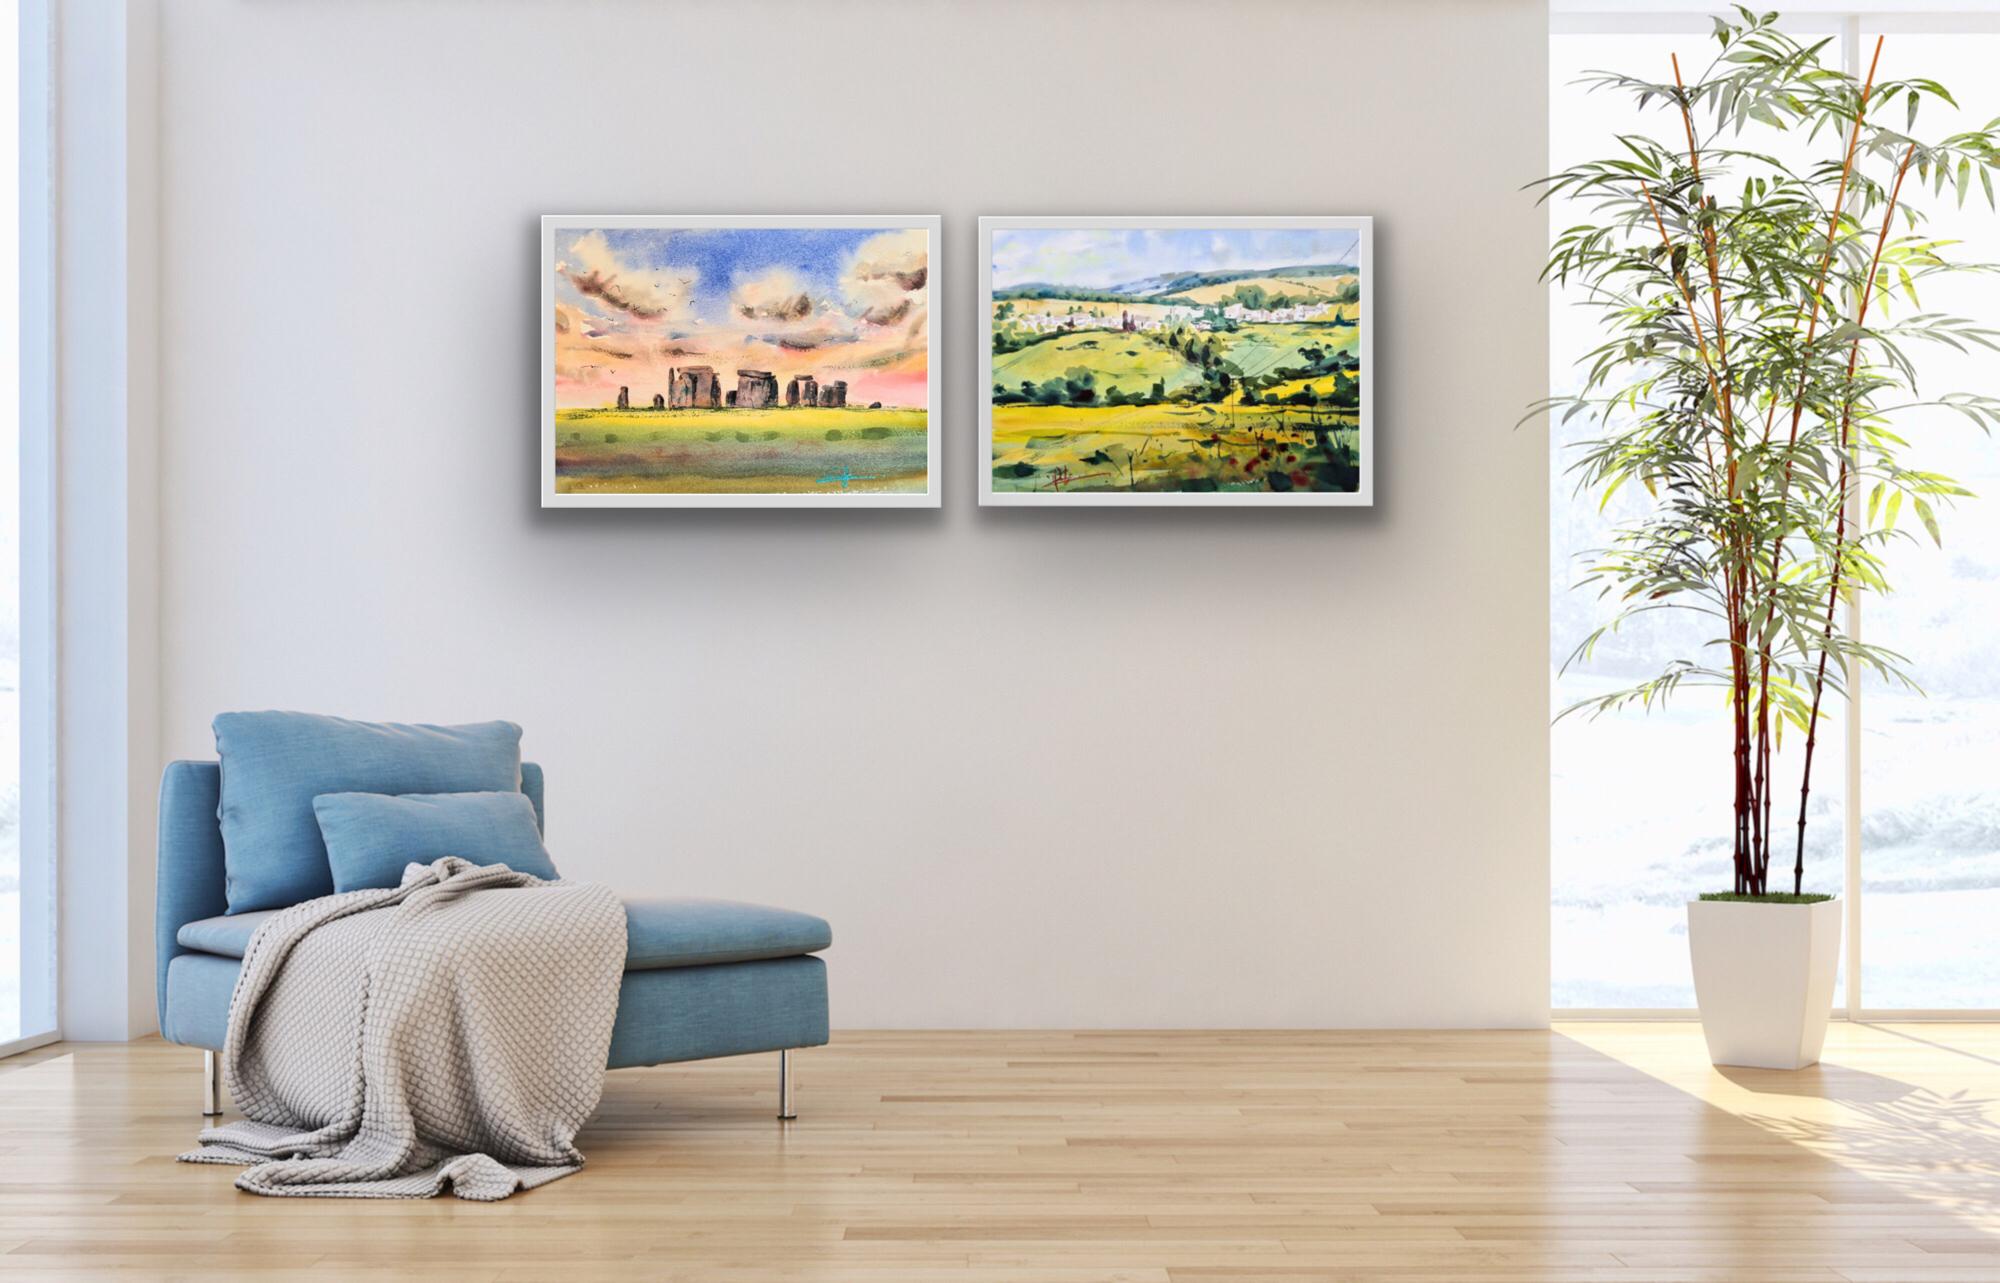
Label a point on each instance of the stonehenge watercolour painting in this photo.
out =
(1176, 361)
(750, 361)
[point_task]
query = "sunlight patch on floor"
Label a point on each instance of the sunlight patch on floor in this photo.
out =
(1914, 1107)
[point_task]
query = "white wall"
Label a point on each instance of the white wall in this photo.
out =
(1141, 768)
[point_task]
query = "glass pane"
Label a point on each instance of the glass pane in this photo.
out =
(1640, 802)
(1930, 829)
(10, 530)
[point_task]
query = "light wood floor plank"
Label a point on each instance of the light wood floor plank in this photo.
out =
(1586, 1154)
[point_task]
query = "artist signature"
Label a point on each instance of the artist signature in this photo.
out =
(1064, 477)
(844, 478)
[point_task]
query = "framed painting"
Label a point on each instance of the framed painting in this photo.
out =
(1182, 361)
(732, 362)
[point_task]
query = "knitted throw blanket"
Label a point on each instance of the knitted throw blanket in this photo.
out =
(450, 1031)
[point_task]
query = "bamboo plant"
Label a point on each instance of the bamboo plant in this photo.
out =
(1759, 323)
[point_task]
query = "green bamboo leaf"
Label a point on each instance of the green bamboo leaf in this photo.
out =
(1612, 489)
(1929, 518)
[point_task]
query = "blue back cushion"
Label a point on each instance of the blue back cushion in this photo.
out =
(275, 764)
(370, 837)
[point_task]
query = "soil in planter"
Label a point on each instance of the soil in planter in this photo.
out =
(1775, 897)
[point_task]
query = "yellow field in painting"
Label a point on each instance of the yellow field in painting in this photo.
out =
(1311, 287)
(1062, 306)
(800, 450)
(1231, 448)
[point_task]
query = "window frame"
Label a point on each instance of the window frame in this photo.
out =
(39, 994)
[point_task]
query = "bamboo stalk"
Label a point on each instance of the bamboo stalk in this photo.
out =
(1706, 231)
(1840, 522)
(1826, 256)
(1694, 314)
(1798, 414)
(1753, 849)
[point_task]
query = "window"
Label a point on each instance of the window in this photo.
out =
(1930, 794)
(27, 902)
(1628, 852)
(1639, 802)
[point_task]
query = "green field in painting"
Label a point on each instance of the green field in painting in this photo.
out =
(796, 450)
(1129, 362)
(1168, 447)
(1222, 444)
(1257, 350)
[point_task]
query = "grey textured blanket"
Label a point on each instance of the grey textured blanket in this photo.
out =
(448, 1031)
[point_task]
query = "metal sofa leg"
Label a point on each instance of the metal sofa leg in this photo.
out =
(211, 1085)
(785, 1111)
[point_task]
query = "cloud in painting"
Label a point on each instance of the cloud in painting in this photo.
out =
(648, 295)
(774, 295)
(583, 343)
(887, 275)
(826, 332)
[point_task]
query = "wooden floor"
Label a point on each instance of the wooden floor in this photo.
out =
(1591, 1152)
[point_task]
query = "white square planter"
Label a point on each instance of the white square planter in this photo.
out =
(1763, 977)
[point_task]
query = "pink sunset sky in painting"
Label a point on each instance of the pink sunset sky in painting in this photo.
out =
(836, 303)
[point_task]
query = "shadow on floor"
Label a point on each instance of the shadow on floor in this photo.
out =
(1872, 1141)
(1821, 1082)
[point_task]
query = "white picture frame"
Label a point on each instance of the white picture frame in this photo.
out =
(1362, 496)
(553, 496)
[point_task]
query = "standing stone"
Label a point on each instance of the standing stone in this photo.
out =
(693, 387)
(659, 401)
(624, 398)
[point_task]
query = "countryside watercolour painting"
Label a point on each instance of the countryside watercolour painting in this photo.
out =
(753, 361)
(1176, 361)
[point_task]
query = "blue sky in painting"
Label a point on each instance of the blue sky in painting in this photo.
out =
(722, 257)
(1100, 257)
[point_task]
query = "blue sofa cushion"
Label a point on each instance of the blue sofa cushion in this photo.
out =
(371, 837)
(228, 935)
(275, 764)
(659, 934)
(696, 933)
(685, 1013)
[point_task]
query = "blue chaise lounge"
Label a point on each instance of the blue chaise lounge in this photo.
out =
(703, 978)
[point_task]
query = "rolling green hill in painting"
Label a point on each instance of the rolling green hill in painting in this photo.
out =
(1157, 286)
(1126, 361)
(1259, 351)
(1136, 375)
